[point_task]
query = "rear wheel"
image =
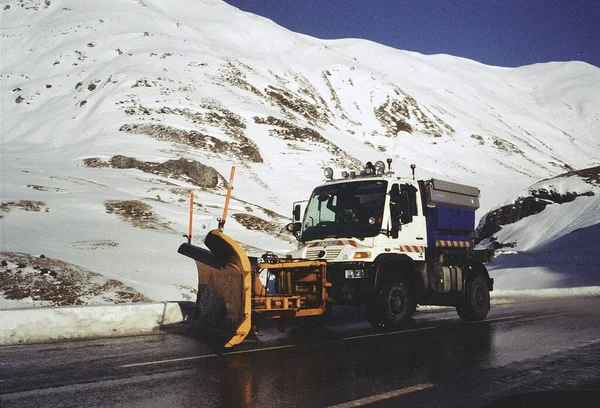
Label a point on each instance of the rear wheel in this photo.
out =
(392, 306)
(477, 300)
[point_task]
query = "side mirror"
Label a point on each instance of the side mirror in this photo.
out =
(406, 217)
(296, 214)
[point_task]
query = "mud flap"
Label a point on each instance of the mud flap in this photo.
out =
(224, 301)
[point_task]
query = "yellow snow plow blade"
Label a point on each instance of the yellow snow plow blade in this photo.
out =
(230, 292)
(224, 290)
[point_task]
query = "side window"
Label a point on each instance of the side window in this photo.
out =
(395, 209)
(321, 209)
(409, 194)
(403, 206)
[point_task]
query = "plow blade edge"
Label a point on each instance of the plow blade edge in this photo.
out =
(224, 303)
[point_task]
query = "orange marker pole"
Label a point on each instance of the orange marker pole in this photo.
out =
(227, 197)
(189, 237)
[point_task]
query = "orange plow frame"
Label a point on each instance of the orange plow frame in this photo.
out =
(230, 292)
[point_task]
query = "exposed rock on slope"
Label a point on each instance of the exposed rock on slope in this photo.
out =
(524, 207)
(25, 205)
(244, 150)
(136, 213)
(180, 169)
(537, 198)
(50, 282)
(401, 113)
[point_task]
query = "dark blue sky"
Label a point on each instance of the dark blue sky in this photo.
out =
(495, 32)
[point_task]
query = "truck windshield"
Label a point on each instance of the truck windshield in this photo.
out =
(351, 209)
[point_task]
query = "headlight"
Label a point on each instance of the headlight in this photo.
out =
(328, 172)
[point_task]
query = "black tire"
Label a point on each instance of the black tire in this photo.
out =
(477, 300)
(374, 314)
(392, 306)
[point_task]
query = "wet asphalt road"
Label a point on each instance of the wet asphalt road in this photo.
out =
(551, 347)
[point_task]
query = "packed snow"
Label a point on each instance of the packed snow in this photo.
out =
(558, 247)
(88, 80)
(20, 325)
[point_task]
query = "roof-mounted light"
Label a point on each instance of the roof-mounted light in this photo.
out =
(379, 167)
(328, 172)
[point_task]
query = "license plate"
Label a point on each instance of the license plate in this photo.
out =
(325, 243)
(354, 273)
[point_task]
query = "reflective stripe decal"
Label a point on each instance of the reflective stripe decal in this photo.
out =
(412, 248)
(453, 244)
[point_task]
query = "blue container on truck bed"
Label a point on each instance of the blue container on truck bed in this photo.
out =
(450, 224)
(450, 212)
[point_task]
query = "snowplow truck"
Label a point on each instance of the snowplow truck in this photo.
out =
(367, 238)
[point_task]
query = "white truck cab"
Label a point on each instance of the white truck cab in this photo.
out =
(384, 235)
(360, 218)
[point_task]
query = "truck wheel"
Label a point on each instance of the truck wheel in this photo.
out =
(477, 300)
(374, 313)
(392, 307)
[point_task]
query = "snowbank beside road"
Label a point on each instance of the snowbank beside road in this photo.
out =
(37, 324)
(40, 324)
(512, 296)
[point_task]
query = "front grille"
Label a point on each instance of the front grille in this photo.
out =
(330, 254)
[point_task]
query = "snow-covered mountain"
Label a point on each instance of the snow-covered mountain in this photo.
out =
(113, 111)
(549, 234)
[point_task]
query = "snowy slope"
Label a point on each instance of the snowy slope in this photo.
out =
(548, 236)
(155, 80)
